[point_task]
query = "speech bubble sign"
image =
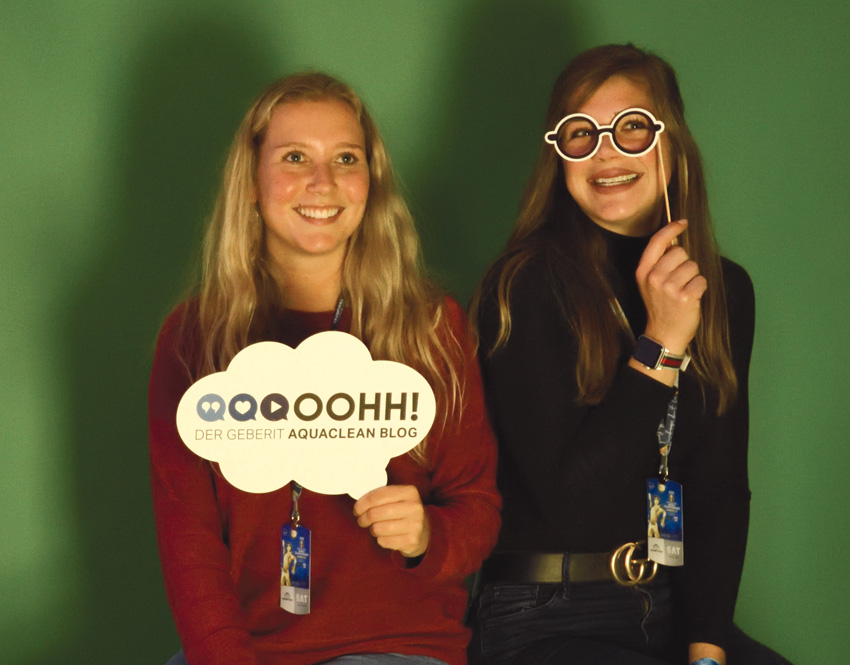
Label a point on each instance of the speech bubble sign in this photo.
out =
(323, 414)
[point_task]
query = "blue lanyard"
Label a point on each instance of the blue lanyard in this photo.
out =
(295, 516)
(665, 427)
(340, 305)
(665, 436)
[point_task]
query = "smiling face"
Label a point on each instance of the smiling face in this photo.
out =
(619, 193)
(312, 180)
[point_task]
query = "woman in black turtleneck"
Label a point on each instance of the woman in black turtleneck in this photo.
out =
(596, 288)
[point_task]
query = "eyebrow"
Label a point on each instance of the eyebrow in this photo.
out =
(298, 144)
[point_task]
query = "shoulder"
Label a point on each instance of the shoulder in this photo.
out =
(740, 294)
(527, 284)
(452, 309)
(736, 278)
(531, 273)
(526, 314)
(741, 310)
(177, 351)
(179, 336)
(182, 320)
(453, 317)
(178, 317)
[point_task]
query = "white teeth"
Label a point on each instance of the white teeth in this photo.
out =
(618, 180)
(318, 213)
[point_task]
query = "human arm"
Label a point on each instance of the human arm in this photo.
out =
(671, 288)
(190, 531)
(458, 490)
(714, 475)
(715, 447)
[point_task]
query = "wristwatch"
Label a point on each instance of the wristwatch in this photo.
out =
(653, 355)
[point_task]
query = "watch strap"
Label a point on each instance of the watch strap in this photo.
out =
(654, 355)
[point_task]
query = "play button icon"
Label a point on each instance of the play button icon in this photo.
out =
(274, 407)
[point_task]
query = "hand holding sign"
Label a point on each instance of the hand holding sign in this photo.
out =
(324, 414)
(396, 517)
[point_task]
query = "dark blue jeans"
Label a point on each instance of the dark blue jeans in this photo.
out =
(591, 623)
(531, 623)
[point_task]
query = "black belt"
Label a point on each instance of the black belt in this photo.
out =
(537, 568)
(621, 566)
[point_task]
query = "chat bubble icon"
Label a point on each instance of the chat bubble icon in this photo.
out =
(274, 407)
(211, 408)
(243, 407)
(330, 417)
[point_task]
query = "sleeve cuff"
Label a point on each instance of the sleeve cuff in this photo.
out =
(431, 563)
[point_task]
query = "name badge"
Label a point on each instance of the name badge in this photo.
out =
(664, 522)
(295, 569)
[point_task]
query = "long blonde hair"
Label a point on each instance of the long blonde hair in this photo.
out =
(551, 227)
(395, 310)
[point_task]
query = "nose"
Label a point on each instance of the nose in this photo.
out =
(606, 146)
(322, 179)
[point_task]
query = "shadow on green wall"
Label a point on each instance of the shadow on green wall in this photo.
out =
(466, 199)
(183, 102)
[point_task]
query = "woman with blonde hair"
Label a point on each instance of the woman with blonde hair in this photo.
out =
(309, 234)
(588, 321)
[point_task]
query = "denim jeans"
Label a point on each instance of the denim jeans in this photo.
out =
(535, 623)
(353, 659)
(590, 623)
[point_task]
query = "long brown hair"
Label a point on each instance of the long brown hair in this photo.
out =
(396, 311)
(552, 228)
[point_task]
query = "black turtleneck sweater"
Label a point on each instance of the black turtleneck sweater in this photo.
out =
(573, 477)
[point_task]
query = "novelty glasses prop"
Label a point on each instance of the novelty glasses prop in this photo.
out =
(633, 132)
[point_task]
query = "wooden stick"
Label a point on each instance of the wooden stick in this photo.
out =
(664, 180)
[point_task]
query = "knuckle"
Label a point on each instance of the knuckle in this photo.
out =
(411, 492)
(655, 280)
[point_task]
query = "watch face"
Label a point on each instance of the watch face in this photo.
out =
(648, 353)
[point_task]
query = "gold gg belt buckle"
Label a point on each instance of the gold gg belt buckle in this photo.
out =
(628, 570)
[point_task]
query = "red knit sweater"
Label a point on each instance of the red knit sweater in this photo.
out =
(220, 547)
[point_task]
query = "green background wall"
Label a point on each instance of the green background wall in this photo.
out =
(114, 118)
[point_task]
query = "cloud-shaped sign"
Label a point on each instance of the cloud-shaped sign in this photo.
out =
(323, 414)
